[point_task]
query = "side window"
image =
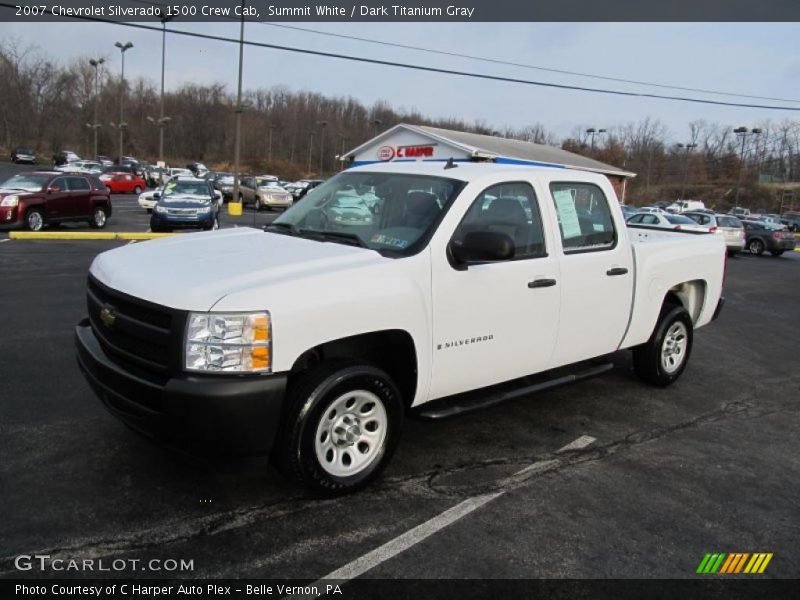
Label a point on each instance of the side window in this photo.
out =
(650, 220)
(60, 184)
(78, 184)
(584, 218)
(509, 208)
(636, 219)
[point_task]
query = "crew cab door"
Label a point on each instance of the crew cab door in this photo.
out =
(495, 321)
(58, 198)
(596, 271)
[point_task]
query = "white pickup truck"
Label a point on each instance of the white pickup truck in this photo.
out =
(424, 288)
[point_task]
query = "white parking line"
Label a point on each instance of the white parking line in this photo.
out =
(419, 533)
(405, 541)
(5, 240)
(579, 444)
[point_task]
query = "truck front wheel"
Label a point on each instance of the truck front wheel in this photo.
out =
(662, 359)
(341, 426)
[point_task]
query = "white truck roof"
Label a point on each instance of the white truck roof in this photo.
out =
(467, 171)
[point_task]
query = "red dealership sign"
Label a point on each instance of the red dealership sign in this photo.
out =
(386, 153)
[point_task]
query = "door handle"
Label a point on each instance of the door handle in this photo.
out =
(541, 283)
(616, 271)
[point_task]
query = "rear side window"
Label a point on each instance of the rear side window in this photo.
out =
(509, 208)
(78, 184)
(729, 222)
(584, 217)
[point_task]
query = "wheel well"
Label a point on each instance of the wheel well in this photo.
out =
(689, 294)
(391, 350)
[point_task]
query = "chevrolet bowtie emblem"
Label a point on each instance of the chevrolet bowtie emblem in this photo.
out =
(108, 316)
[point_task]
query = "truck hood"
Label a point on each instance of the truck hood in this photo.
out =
(195, 271)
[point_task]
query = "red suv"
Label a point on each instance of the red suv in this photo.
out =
(37, 198)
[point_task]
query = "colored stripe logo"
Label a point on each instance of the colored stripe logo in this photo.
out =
(734, 563)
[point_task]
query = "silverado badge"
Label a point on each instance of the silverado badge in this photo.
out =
(108, 316)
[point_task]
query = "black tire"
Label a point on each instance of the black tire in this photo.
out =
(137, 190)
(214, 225)
(776, 252)
(318, 403)
(732, 253)
(99, 218)
(756, 247)
(34, 220)
(650, 360)
(149, 211)
(258, 206)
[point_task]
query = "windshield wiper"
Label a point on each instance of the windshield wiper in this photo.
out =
(284, 228)
(336, 236)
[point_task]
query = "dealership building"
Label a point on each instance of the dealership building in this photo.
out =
(405, 142)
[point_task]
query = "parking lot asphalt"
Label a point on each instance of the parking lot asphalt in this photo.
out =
(709, 464)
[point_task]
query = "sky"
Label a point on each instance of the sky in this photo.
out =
(749, 58)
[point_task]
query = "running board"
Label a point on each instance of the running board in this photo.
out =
(485, 397)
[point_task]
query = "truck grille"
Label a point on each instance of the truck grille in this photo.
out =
(182, 212)
(133, 332)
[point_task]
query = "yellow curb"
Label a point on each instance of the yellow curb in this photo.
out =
(86, 235)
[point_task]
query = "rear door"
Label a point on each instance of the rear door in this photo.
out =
(596, 282)
(80, 196)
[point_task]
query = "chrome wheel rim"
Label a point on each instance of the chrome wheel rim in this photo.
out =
(100, 218)
(755, 246)
(35, 221)
(673, 349)
(351, 433)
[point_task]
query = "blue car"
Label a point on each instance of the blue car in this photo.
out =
(185, 203)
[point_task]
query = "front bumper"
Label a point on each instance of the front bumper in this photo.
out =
(10, 215)
(203, 414)
(158, 220)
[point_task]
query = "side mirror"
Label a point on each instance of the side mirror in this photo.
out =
(483, 247)
(156, 195)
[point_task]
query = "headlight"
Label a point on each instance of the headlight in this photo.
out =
(160, 209)
(228, 343)
(10, 201)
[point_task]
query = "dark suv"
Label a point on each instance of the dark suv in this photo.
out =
(185, 203)
(35, 199)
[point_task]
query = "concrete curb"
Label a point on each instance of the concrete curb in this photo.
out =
(86, 235)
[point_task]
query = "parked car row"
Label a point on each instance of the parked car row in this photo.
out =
(757, 236)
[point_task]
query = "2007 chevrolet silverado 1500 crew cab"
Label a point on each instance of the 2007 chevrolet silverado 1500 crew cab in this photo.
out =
(390, 288)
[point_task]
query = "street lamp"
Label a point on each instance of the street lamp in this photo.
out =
(235, 207)
(122, 124)
(162, 120)
(95, 125)
(310, 146)
(593, 133)
(161, 123)
(742, 132)
(686, 166)
(322, 124)
(269, 151)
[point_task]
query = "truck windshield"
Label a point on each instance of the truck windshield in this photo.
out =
(392, 213)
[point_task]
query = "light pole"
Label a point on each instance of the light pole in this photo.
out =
(686, 166)
(742, 132)
(375, 124)
(310, 147)
(162, 120)
(269, 151)
(122, 124)
(95, 125)
(322, 124)
(593, 133)
(235, 206)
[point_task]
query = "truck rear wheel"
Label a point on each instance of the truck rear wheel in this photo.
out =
(662, 359)
(340, 428)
